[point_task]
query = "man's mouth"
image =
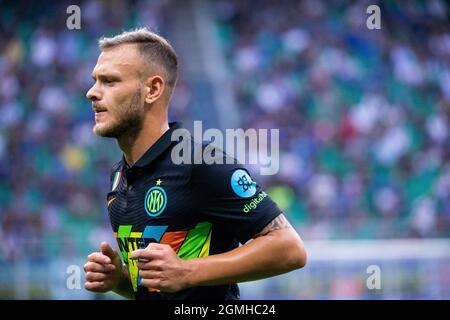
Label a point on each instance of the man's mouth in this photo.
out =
(99, 112)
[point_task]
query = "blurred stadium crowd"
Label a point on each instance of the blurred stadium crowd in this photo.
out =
(363, 116)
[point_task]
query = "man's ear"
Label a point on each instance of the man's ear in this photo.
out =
(154, 88)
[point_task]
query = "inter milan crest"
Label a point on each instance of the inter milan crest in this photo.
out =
(155, 200)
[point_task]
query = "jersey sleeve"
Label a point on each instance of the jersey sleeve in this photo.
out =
(228, 195)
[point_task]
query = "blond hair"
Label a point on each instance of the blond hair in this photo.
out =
(153, 48)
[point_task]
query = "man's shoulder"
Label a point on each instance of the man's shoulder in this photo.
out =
(213, 167)
(200, 154)
(206, 155)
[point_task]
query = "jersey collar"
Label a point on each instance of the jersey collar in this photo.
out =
(156, 149)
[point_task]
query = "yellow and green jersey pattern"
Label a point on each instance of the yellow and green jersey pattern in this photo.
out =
(188, 244)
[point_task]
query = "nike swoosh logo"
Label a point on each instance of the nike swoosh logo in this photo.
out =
(111, 200)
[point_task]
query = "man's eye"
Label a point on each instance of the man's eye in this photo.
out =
(109, 82)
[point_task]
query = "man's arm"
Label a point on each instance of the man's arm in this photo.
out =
(275, 250)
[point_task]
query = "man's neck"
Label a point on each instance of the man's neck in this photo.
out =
(134, 146)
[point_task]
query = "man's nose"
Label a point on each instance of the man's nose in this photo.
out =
(93, 93)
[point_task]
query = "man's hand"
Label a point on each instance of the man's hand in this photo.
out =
(160, 268)
(103, 269)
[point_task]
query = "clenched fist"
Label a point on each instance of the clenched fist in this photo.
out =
(160, 268)
(103, 269)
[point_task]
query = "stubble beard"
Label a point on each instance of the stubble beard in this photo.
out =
(127, 123)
